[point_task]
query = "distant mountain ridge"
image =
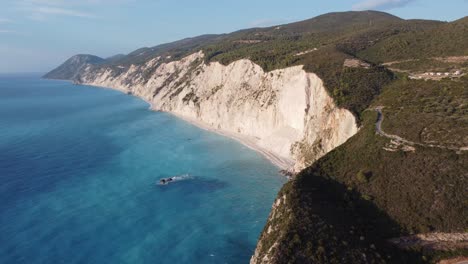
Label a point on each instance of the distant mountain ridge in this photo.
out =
(363, 34)
(115, 57)
(70, 68)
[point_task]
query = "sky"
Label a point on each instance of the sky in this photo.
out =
(38, 35)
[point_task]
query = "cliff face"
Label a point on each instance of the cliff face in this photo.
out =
(286, 113)
(344, 207)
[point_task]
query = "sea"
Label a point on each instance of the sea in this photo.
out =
(79, 174)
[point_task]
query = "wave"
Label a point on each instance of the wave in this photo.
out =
(182, 177)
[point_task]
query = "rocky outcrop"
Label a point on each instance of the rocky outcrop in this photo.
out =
(285, 112)
(272, 236)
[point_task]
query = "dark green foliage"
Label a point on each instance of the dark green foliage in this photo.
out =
(362, 176)
(270, 54)
(361, 190)
(427, 111)
(175, 50)
(359, 86)
(340, 21)
(329, 223)
(405, 185)
(334, 201)
(352, 88)
(444, 40)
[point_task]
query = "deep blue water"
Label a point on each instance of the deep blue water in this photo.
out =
(78, 167)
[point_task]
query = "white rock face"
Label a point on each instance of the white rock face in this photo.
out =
(286, 114)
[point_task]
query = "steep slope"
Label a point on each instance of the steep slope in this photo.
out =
(286, 113)
(348, 205)
(70, 68)
(299, 92)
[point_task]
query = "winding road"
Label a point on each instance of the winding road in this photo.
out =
(378, 130)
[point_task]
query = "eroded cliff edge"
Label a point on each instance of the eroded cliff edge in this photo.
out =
(351, 202)
(286, 113)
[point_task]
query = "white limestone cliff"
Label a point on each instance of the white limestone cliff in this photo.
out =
(286, 114)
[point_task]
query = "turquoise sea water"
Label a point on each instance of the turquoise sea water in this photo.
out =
(78, 173)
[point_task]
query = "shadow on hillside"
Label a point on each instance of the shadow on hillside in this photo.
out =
(334, 224)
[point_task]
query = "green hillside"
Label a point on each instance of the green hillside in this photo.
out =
(449, 39)
(403, 173)
(322, 44)
(363, 193)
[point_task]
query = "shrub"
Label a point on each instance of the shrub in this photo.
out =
(362, 176)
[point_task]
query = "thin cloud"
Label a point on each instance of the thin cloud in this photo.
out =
(62, 11)
(5, 20)
(70, 3)
(41, 10)
(380, 4)
(46, 2)
(13, 32)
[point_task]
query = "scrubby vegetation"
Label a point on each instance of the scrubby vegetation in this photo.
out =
(433, 112)
(445, 40)
(330, 223)
(351, 201)
(407, 185)
(352, 88)
(361, 191)
(344, 207)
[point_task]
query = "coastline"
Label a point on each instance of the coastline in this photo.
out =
(282, 163)
(111, 144)
(278, 161)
